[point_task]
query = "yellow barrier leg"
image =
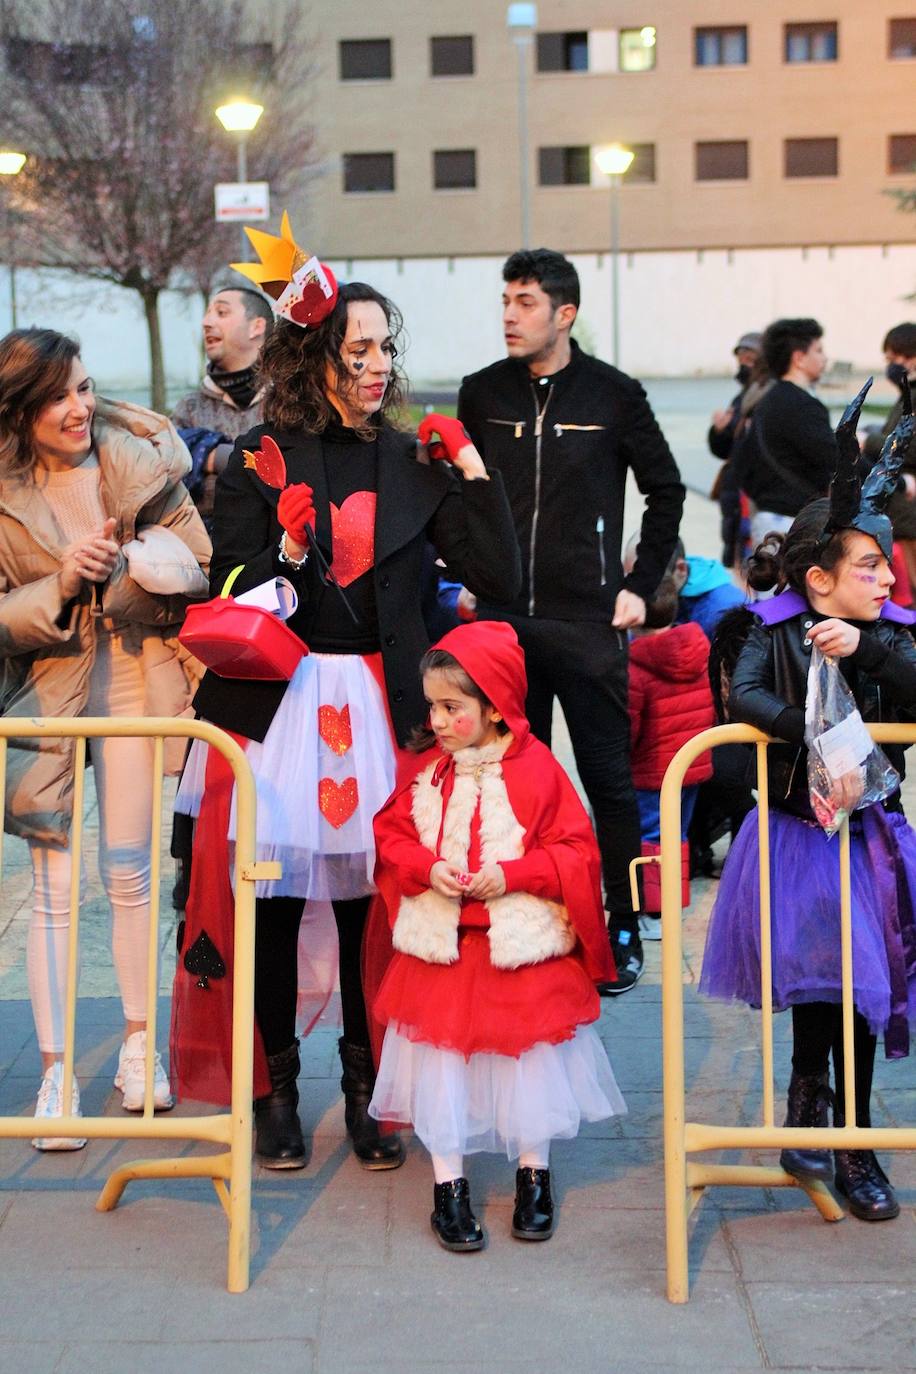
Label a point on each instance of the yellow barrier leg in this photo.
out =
(191, 1166)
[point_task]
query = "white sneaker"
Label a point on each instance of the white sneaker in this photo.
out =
(131, 1076)
(50, 1104)
(650, 927)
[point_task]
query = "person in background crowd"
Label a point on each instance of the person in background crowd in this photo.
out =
(721, 439)
(788, 454)
(564, 428)
(228, 401)
(79, 478)
(900, 354)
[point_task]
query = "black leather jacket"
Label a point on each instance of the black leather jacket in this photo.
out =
(769, 685)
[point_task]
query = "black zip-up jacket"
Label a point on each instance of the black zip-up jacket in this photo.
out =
(770, 681)
(564, 444)
(787, 455)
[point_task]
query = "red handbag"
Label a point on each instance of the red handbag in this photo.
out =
(241, 641)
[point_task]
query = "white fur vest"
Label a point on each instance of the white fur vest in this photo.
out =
(524, 929)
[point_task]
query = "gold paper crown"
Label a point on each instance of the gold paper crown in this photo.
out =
(304, 290)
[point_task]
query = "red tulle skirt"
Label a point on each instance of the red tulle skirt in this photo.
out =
(473, 1008)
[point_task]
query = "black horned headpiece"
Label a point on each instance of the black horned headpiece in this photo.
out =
(857, 505)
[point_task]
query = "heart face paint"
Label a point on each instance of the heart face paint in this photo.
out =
(458, 720)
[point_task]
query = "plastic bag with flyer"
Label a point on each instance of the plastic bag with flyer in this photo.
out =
(846, 769)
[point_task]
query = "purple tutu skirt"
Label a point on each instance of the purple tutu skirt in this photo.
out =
(805, 915)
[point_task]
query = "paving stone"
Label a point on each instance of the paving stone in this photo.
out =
(855, 1325)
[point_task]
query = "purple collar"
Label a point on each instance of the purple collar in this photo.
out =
(790, 603)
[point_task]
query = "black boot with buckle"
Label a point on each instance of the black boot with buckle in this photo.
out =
(808, 1100)
(278, 1142)
(533, 1215)
(454, 1224)
(865, 1186)
(374, 1151)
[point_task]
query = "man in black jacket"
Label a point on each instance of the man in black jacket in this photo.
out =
(564, 429)
(788, 455)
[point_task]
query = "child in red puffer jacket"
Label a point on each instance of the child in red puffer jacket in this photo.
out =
(670, 702)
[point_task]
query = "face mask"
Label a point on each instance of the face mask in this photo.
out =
(896, 373)
(743, 375)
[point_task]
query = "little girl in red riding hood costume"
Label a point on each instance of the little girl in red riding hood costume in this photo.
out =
(489, 872)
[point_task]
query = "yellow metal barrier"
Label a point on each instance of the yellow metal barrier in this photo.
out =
(231, 1166)
(685, 1181)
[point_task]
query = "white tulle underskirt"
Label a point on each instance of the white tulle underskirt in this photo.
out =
(494, 1102)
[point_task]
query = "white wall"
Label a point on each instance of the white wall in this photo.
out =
(680, 312)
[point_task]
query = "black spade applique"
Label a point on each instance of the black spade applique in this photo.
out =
(204, 960)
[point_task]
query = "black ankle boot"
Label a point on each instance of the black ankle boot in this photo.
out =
(865, 1185)
(453, 1222)
(808, 1100)
(533, 1215)
(373, 1151)
(278, 1142)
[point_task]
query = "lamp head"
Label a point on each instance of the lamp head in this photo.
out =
(613, 159)
(11, 164)
(239, 116)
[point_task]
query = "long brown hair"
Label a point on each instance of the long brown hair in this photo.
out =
(35, 367)
(294, 362)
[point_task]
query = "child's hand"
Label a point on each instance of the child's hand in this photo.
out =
(443, 878)
(835, 637)
(489, 882)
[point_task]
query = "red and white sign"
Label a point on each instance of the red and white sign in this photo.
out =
(241, 200)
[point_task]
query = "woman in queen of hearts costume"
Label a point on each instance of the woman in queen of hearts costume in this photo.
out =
(488, 868)
(325, 481)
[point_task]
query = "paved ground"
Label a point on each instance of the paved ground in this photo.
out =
(346, 1277)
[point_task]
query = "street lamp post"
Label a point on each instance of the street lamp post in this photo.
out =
(240, 117)
(11, 164)
(521, 20)
(614, 161)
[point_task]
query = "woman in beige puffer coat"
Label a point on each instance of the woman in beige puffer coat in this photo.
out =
(79, 478)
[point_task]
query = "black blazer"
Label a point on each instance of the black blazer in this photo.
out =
(468, 522)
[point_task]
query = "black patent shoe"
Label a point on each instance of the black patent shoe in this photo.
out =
(454, 1224)
(278, 1142)
(533, 1215)
(865, 1185)
(373, 1150)
(808, 1100)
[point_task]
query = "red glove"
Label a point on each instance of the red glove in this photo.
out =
(296, 512)
(452, 432)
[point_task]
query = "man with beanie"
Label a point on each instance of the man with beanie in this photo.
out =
(227, 403)
(564, 428)
(721, 438)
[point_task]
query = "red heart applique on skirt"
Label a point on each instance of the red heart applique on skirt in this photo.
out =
(337, 801)
(334, 728)
(353, 536)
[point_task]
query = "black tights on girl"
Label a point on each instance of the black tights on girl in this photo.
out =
(817, 1030)
(275, 983)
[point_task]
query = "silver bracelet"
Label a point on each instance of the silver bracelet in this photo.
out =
(296, 563)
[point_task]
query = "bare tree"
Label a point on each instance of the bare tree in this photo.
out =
(114, 102)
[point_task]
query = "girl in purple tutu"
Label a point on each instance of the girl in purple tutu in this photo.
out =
(833, 578)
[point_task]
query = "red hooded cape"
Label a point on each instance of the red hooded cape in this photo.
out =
(559, 840)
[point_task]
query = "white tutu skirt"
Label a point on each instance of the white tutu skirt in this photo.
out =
(492, 1101)
(323, 770)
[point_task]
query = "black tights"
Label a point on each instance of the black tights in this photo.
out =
(817, 1029)
(275, 967)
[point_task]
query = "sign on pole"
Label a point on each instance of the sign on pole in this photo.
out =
(241, 200)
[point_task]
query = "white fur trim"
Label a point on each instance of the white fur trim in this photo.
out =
(524, 929)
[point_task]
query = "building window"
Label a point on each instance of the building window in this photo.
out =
(67, 64)
(722, 161)
(901, 154)
(901, 38)
(368, 171)
(451, 56)
(564, 166)
(455, 169)
(811, 157)
(365, 59)
(811, 42)
(642, 168)
(637, 49)
(720, 47)
(563, 52)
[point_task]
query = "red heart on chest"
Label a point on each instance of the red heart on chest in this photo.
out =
(337, 801)
(353, 536)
